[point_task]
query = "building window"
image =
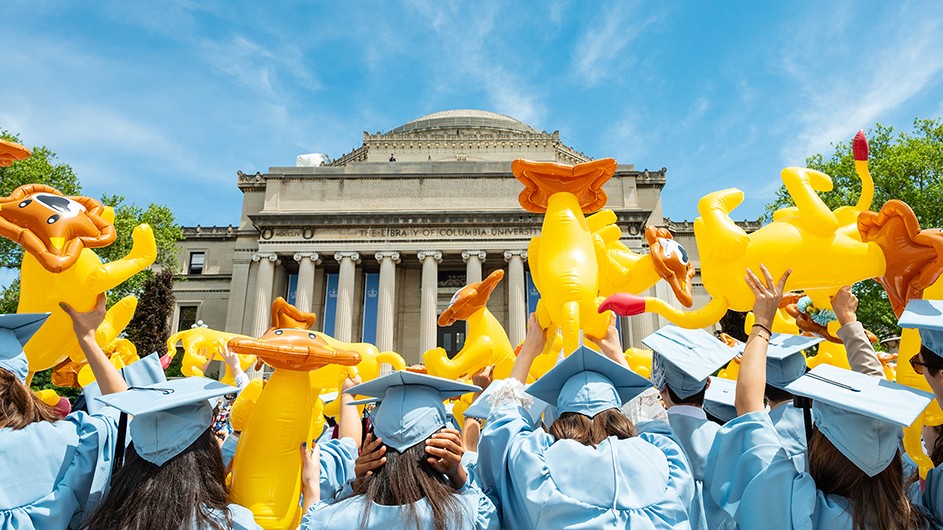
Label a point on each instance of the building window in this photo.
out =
(186, 317)
(452, 338)
(197, 259)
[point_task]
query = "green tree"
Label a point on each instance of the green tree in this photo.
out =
(150, 327)
(905, 166)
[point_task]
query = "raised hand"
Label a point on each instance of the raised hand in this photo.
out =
(371, 457)
(446, 449)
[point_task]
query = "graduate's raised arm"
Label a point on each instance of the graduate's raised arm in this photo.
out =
(751, 383)
(533, 344)
(861, 355)
(85, 324)
(348, 424)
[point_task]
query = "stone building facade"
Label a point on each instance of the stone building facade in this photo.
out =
(377, 241)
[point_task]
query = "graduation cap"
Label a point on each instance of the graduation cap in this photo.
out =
(719, 399)
(927, 317)
(143, 372)
(168, 416)
(784, 360)
(410, 406)
(481, 406)
(861, 415)
(15, 331)
(588, 382)
(684, 358)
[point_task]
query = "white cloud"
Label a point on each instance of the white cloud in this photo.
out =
(873, 77)
(600, 52)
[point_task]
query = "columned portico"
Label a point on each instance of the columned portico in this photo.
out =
(343, 321)
(429, 294)
(517, 295)
(450, 199)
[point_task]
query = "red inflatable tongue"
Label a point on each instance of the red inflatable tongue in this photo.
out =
(623, 304)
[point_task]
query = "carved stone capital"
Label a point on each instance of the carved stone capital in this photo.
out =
(393, 255)
(353, 256)
(509, 254)
(434, 254)
(259, 256)
(313, 256)
(469, 253)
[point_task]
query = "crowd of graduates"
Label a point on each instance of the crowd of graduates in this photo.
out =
(591, 444)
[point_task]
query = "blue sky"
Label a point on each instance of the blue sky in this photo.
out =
(166, 104)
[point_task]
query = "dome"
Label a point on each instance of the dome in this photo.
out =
(464, 119)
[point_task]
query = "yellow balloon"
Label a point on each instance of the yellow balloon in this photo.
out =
(825, 249)
(640, 361)
(121, 353)
(486, 342)
(244, 404)
(565, 259)
(67, 270)
(197, 341)
(266, 472)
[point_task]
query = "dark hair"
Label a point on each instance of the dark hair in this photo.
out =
(592, 431)
(697, 400)
(776, 395)
(876, 502)
(20, 406)
(933, 362)
(169, 497)
(403, 480)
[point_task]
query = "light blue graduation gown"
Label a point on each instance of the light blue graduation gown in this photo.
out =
(53, 474)
(696, 436)
(790, 425)
(477, 512)
(754, 480)
(337, 465)
(242, 518)
(931, 498)
(541, 482)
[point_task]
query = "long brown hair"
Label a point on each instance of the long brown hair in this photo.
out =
(19, 406)
(592, 431)
(403, 480)
(876, 502)
(169, 497)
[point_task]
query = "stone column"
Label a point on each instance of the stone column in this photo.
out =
(429, 298)
(517, 295)
(263, 299)
(344, 314)
(304, 292)
(473, 260)
(386, 301)
(263, 292)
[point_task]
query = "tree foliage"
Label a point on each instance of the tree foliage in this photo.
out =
(150, 327)
(905, 166)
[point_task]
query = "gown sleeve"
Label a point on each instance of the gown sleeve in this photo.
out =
(754, 481)
(509, 439)
(861, 355)
(337, 465)
(660, 434)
